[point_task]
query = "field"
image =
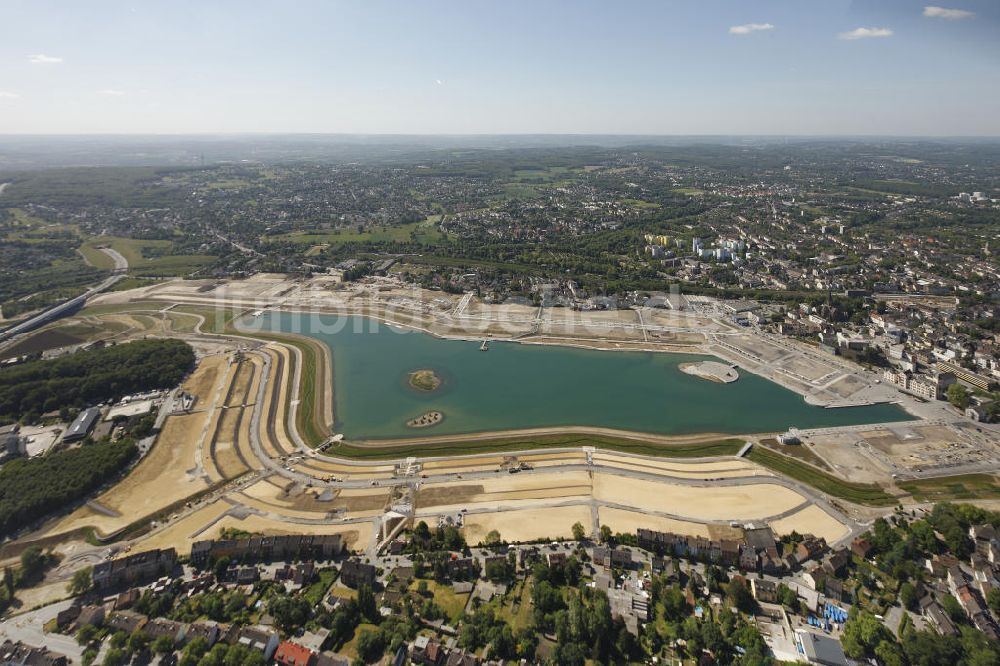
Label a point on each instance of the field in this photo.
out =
(945, 488)
(451, 603)
(527, 524)
(423, 232)
(145, 257)
(627, 522)
(698, 503)
(811, 520)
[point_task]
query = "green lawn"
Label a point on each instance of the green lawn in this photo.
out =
(521, 615)
(639, 203)
(860, 493)
(216, 319)
(726, 447)
(424, 232)
(145, 257)
(350, 648)
(962, 487)
(451, 603)
(315, 592)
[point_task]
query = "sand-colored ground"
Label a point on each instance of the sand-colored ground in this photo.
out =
(333, 467)
(504, 489)
(162, 477)
(811, 520)
(182, 533)
(676, 468)
(700, 503)
(627, 522)
(357, 535)
(527, 524)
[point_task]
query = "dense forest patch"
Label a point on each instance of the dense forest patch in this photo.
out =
(84, 378)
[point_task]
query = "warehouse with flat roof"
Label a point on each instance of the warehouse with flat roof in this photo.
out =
(82, 425)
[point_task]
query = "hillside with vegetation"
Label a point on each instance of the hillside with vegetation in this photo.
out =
(82, 379)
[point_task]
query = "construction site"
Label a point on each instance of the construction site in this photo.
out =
(257, 452)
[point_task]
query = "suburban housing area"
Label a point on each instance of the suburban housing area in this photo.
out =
(559, 406)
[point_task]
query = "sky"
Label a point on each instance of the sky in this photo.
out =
(673, 67)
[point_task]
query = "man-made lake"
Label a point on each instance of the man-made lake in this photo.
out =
(514, 386)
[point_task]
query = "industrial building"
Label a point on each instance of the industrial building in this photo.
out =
(82, 425)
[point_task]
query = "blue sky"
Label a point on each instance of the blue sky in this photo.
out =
(471, 66)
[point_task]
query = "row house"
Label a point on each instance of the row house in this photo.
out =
(286, 547)
(134, 569)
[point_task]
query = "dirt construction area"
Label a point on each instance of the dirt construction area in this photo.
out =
(168, 474)
(870, 455)
(546, 504)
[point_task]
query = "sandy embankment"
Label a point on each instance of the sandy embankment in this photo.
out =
(163, 477)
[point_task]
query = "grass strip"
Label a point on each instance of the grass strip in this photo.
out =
(961, 487)
(859, 493)
(725, 447)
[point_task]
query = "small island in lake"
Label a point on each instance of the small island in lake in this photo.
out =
(713, 371)
(426, 420)
(425, 380)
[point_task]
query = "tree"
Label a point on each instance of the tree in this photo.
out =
(889, 653)
(492, 538)
(908, 595)
(137, 642)
(579, 533)
(993, 599)
(81, 582)
(32, 563)
(675, 605)
(788, 597)
(606, 534)
(115, 657)
(194, 651)
(862, 633)
(162, 645)
(86, 633)
(954, 609)
(366, 603)
(958, 395)
(289, 612)
(740, 597)
(371, 645)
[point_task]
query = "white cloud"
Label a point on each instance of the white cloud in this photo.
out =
(865, 33)
(941, 12)
(747, 28)
(42, 59)
(439, 82)
(8, 96)
(111, 92)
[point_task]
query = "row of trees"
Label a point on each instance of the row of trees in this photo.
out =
(88, 377)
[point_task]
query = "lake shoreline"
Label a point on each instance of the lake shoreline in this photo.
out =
(566, 422)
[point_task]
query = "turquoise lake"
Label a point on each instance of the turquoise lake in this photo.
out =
(523, 386)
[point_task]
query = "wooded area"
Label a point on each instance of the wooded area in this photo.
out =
(88, 377)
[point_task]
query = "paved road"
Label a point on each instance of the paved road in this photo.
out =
(121, 263)
(60, 310)
(28, 629)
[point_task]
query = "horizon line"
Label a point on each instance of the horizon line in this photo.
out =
(492, 134)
